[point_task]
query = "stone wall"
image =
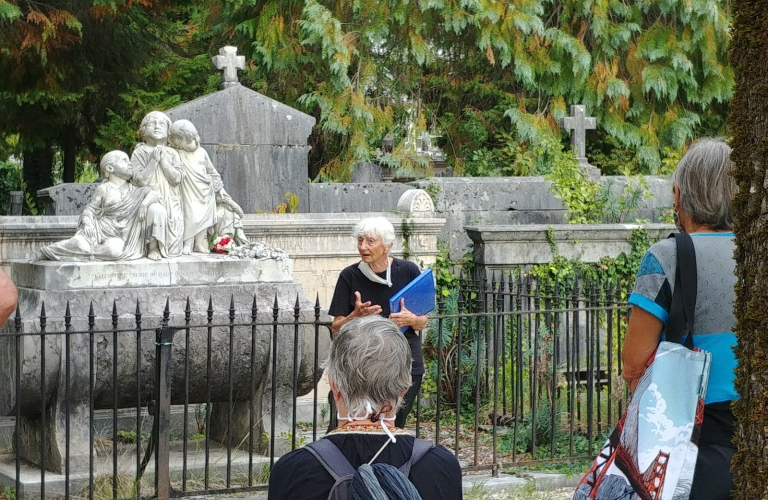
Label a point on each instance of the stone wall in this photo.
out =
(333, 198)
(461, 201)
(503, 247)
(480, 201)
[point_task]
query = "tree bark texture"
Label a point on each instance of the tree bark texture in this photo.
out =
(748, 125)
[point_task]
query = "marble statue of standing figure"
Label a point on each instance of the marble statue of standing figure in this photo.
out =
(201, 191)
(158, 166)
(121, 222)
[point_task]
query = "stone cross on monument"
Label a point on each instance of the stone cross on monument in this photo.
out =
(578, 123)
(228, 62)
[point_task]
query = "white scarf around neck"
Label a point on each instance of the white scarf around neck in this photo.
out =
(368, 272)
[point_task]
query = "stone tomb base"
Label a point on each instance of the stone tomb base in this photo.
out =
(240, 350)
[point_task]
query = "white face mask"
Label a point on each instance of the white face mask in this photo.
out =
(368, 272)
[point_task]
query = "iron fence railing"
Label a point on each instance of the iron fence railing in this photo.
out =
(519, 371)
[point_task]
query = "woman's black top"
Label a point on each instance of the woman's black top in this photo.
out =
(353, 280)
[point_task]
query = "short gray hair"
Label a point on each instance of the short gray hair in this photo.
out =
(703, 177)
(154, 114)
(370, 364)
(375, 226)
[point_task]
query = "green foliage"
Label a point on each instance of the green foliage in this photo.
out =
(492, 78)
(126, 437)
(103, 487)
(590, 202)
(202, 413)
(289, 205)
(7, 493)
(64, 95)
(446, 270)
(407, 227)
(30, 204)
(10, 180)
(618, 206)
(459, 356)
(620, 271)
(579, 192)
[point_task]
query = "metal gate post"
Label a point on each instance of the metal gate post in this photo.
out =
(162, 421)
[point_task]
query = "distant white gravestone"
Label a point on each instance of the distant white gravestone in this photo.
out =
(578, 123)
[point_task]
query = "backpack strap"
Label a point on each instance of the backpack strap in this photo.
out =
(680, 325)
(331, 458)
(420, 448)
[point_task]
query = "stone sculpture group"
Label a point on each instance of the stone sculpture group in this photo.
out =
(165, 201)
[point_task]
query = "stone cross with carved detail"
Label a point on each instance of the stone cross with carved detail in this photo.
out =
(579, 124)
(228, 62)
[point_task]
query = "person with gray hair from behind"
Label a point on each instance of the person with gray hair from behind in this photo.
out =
(703, 190)
(364, 289)
(368, 369)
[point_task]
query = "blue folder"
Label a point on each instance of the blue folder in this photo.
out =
(419, 296)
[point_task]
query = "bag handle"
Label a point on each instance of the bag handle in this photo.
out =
(680, 325)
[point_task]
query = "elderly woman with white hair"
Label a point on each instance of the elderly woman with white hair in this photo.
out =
(368, 368)
(364, 289)
(703, 191)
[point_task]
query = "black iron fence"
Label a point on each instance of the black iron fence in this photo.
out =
(519, 371)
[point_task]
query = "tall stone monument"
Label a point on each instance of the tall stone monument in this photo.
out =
(117, 280)
(258, 145)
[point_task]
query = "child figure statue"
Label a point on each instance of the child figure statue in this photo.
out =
(201, 192)
(158, 166)
(121, 222)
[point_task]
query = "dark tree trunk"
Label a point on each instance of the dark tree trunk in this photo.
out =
(38, 169)
(70, 150)
(748, 124)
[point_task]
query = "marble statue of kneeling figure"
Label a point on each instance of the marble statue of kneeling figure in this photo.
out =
(121, 222)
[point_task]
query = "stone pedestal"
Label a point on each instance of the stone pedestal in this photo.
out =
(209, 299)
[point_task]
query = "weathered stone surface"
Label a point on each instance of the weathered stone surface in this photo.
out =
(241, 116)
(250, 358)
(502, 247)
(416, 201)
(354, 198)
(462, 194)
(198, 270)
(261, 175)
(258, 145)
(366, 172)
(67, 198)
(578, 124)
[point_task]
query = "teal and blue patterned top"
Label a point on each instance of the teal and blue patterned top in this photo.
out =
(713, 317)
